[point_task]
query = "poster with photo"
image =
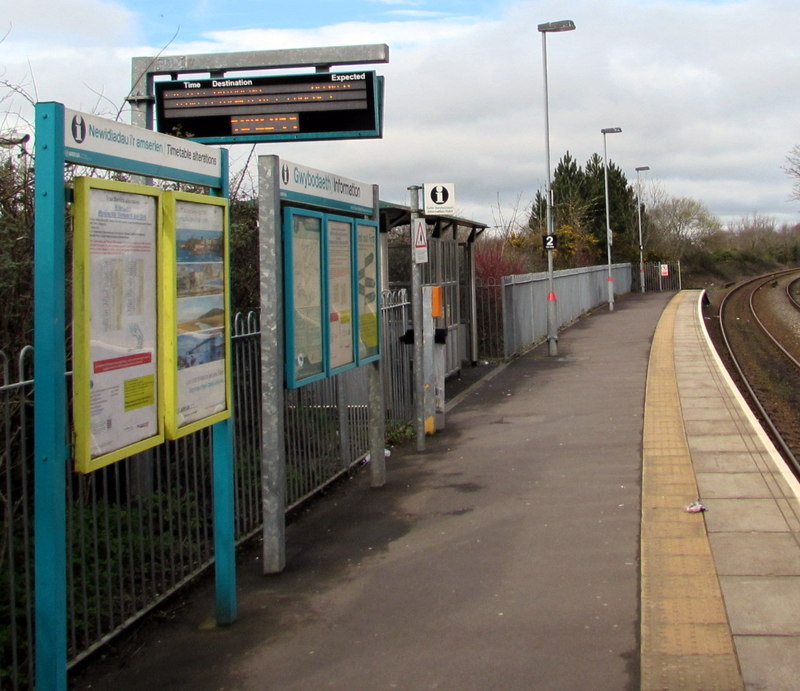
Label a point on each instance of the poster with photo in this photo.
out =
(340, 292)
(115, 334)
(368, 292)
(200, 355)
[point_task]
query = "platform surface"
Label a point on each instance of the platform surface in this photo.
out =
(540, 542)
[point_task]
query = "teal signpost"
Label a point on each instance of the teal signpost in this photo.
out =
(65, 136)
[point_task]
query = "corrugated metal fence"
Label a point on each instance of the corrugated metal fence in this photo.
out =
(139, 529)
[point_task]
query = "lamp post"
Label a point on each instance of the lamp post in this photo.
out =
(609, 239)
(552, 325)
(639, 211)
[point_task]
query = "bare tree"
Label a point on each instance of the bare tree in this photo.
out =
(680, 224)
(792, 168)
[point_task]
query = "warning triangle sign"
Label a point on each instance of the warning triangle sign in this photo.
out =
(420, 236)
(420, 241)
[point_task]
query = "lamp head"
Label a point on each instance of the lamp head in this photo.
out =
(642, 168)
(611, 130)
(552, 27)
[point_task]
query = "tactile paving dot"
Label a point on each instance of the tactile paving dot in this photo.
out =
(693, 639)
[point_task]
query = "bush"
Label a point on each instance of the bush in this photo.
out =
(16, 249)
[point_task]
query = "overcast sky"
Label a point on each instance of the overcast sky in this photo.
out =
(706, 91)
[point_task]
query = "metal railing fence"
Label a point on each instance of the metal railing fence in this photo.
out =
(139, 529)
(512, 312)
(489, 313)
(16, 505)
(661, 276)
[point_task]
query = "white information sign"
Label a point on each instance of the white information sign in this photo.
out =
(419, 238)
(440, 198)
(199, 240)
(300, 183)
(123, 313)
(97, 141)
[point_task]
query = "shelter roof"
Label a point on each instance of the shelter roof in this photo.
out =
(396, 215)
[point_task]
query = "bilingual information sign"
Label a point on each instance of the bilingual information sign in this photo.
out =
(320, 188)
(325, 105)
(440, 198)
(94, 141)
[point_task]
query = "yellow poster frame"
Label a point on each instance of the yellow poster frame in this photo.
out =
(81, 326)
(168, 355)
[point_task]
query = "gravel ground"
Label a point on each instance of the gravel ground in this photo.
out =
(775, 380)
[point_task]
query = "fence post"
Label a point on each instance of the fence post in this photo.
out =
(507, 299)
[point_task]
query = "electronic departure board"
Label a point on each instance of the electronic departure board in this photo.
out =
(326, 105)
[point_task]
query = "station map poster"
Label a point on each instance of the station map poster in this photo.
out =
(303, 266)
(340, 291)
(115, 316)
(368, 292)
(331, 294)
(196, 355)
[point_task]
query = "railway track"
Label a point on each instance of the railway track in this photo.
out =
(760, 331)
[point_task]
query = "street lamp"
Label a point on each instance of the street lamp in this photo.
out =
(639, 210)
(609, 240)
(552, 326)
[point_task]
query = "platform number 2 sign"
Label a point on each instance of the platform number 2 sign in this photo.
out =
(550, 242)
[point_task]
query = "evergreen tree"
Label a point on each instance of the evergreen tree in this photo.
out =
(579, 213)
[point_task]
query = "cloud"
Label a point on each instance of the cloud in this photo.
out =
(704, 93)
(69, 22)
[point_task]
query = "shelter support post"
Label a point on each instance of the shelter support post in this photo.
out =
(273, 452)
(377, 415)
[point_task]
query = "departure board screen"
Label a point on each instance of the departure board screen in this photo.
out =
(323, 105)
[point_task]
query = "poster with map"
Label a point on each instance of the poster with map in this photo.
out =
(306, 279)
(115, 336)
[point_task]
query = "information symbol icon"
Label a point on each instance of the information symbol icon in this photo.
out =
(439, 194)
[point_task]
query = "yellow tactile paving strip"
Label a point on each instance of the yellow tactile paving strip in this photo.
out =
(686, 641)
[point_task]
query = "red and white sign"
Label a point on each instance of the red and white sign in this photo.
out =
(665, 269)
(419, 236)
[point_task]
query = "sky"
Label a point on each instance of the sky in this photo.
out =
(706, 91)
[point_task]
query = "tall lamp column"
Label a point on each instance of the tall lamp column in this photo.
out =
(609, 239)
(639, 211)
(552, 317)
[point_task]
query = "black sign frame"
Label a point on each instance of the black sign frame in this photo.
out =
(324, 105)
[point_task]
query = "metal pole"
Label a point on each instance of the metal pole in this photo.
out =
(375, 399)
(609, 238)
(273, 443)
(552, 329)
(639, 212)
(51, 452)
(416, 325)
(552, 303)
(224, 512)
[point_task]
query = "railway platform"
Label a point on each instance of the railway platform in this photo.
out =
(542, 541)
